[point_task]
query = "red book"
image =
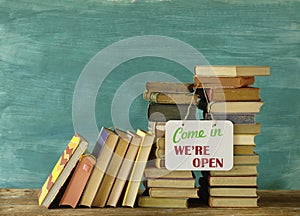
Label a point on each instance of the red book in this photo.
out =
(78, 181)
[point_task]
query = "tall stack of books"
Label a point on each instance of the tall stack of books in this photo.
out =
(226, 94)
(110, 176)
(164, 188)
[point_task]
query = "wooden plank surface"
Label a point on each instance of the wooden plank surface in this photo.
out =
(24, 202)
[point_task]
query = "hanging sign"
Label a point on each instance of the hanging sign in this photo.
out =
(199, 145)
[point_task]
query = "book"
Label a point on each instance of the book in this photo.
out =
(231, 202)
(160, 143)
(244, 139)
(166, 112)
(153, 172)
(231, 94)
(169, 87)
(246, 159)
(243, 149)
(78, 181)
(232, 180)
(107, 141)
(237, 170)
(146, 201)
(138, 168)
(159, 162)
(235, 118)
(112, 170)
(233, 107)
(231, 71)
(246, 128)
(62, 170)
(125, 169)
(158, 192)
(233, 192)
(170, 98)
(171, 182)
(221, 82)
(157, 128)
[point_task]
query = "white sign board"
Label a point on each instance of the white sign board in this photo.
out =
(199, 145)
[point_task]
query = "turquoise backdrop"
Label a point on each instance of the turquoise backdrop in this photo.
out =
(44, 46)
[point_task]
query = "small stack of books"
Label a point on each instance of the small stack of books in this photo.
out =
(110, 176)
(226, 94)
(164, 188)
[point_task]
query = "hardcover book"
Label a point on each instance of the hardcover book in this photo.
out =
(171, 182)
(232, 71)
(237, 170)
(231, 202)
(108, 140)
(138, 168)
(62, 170)
(112, 170)
(153, 173)
(246, 128)
(159, 192)
(233, 107)
(78, 181)
(221, 82)
(170, 98)
(232, 181)
(169, 87)
(146, 201)
(235, 118)
(233, 192)
(125, 169)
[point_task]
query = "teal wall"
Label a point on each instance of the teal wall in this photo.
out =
(44, 46)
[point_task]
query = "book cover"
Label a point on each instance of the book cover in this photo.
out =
(235, 118)
(125, 169)
(158, 192)
(101, 165)
(232, 202)
(170, 98)
(146, 201)
(231, 94)
(169, 87)
(232, 181)
(138, 168)
(233, 192)
(62, 170)
(201, 82)
(232, 71)
(171, 182)
(166, 112)
(112, 170)
(153, 172)
(78, 181)
(237, 170)
(233, 107)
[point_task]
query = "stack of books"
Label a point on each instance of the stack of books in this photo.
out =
(226, 94)
(164, 188)
(110, 176)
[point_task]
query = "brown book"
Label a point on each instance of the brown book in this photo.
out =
(157, 192)
(146, 201)
(78, 181)
(233, 192)
(170, 98)
(243, 149)
(174, 183)
(153, 172)
(232, 94)
(232, 202)
(232, 181)
(108, 140)
(246, 159)
(234, 107)
(169, 87)
(237, 170)
(138, 168)
(112, 170)
(222, 82)
(231, 71)
(246, 128)
(244, 139)
(125, 169)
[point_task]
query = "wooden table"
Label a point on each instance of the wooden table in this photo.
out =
(24, 202)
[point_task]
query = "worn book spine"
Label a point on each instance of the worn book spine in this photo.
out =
(235, 118)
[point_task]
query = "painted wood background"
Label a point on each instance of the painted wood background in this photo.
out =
(44, 46)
